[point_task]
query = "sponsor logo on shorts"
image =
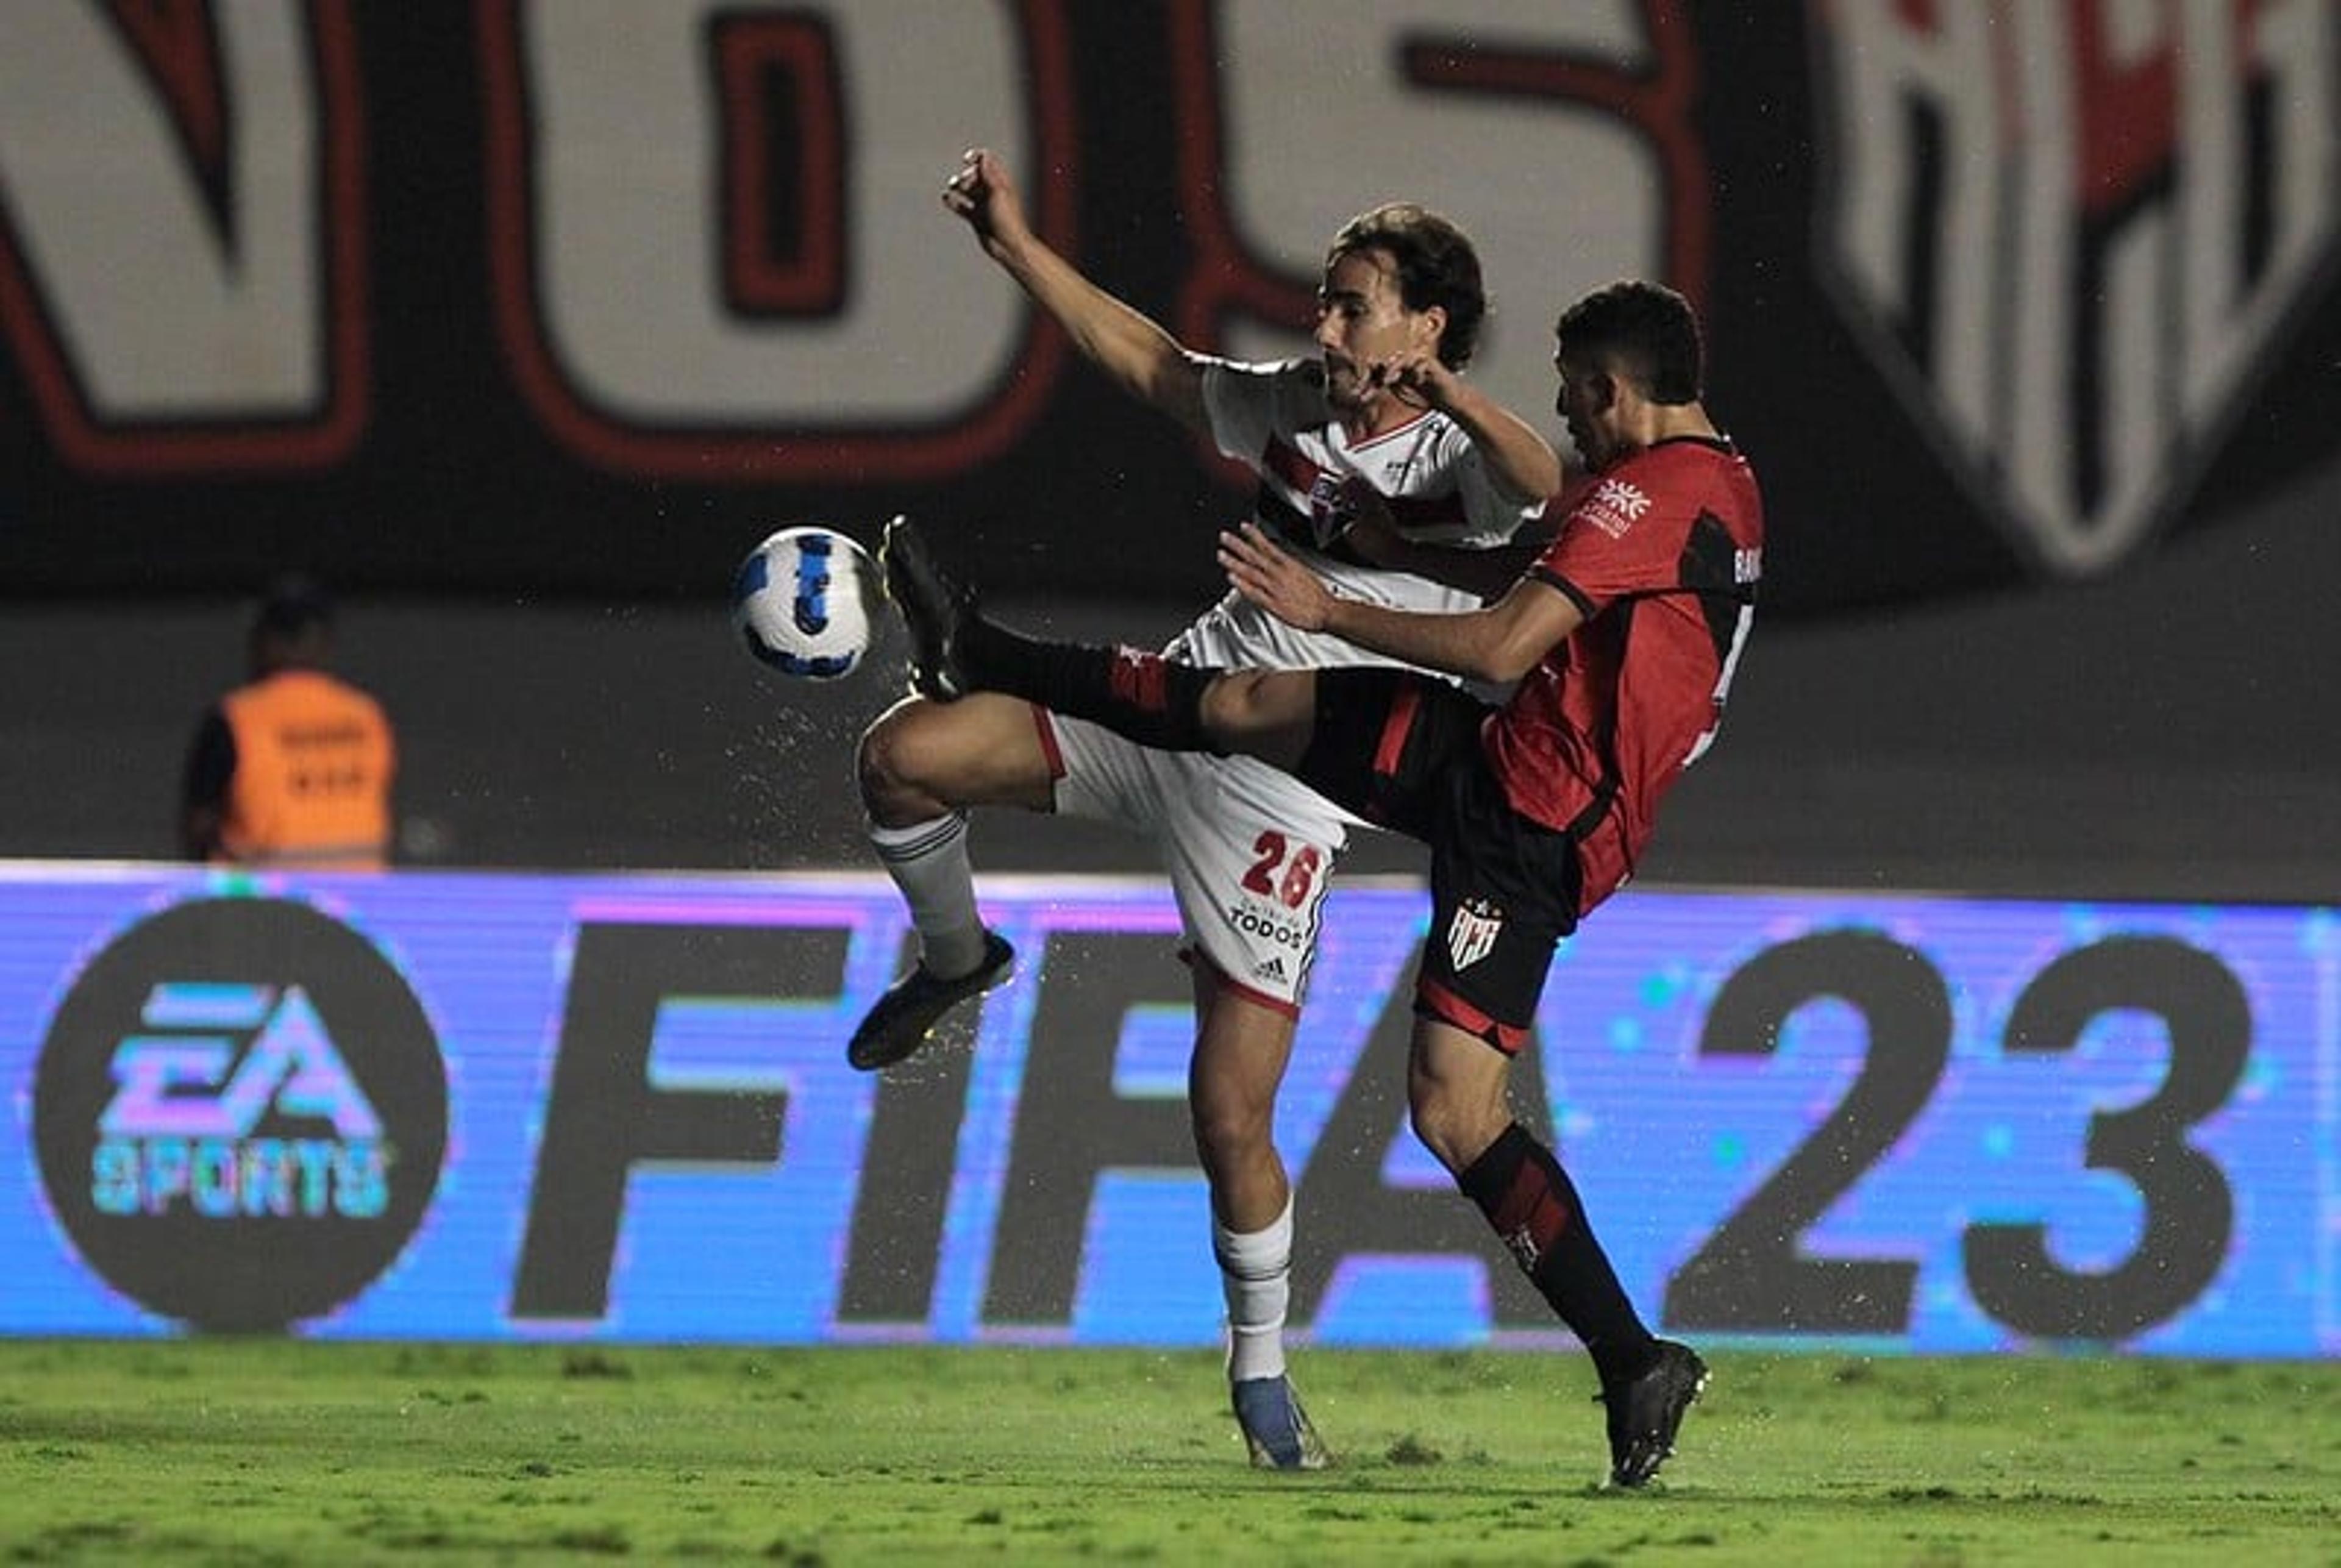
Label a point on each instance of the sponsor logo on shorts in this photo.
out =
(1471, 935)
(1260, 920)
(1271, 970)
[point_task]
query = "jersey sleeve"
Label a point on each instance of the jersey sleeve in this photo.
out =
(1622, 537)
(1489, 517)
(1248, 403)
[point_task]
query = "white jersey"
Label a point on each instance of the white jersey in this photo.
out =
(1275, 420)
(1250, 849)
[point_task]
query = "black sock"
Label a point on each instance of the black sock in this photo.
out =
(1535, 1209)
(1145, 697)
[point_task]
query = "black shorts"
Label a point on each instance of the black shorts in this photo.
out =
(1403, 751)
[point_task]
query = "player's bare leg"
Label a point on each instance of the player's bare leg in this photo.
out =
(922, 765)
(1242, 1048)
(1455, 1091)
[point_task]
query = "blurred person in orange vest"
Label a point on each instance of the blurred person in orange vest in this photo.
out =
(295, 767)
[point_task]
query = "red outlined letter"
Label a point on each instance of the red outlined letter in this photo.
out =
(666, 319)
(1562, 142)
(183, 267)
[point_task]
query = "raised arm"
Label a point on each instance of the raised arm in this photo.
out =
(1520, 462)
(1134, 350)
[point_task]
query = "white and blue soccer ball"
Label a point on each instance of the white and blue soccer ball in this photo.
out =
(806, 602)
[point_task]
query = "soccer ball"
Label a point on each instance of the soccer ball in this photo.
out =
(806, 602)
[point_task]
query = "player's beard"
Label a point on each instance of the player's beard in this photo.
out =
(1592, 457)
(1345, 389)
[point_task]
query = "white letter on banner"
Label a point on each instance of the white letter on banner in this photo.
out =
(172, 274)
(1323, 112)
(629, 222)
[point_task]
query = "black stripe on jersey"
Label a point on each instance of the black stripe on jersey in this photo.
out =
(1290, 464)
(1281, 517)
(1296, 529)
(1577, 597)
(1417, 513)
(1704, 569)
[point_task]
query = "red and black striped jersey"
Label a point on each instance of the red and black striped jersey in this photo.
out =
(1662, 551)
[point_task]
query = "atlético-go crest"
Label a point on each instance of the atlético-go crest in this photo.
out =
(1471, 935)
(2071, 233)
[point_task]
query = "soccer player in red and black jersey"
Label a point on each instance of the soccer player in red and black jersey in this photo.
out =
(1622, 638)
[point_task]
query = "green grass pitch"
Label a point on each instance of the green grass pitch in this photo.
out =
(266, 1451)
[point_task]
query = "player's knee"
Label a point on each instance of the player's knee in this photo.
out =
(1233, 1117)
(1434, 1124)
(1254, 711)
(1453, 1124)
(898, 765)
(1231, 704)
(1229, 1134)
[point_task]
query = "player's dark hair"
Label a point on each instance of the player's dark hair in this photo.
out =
(1436, 265)
(293, 605)
(1645, 330)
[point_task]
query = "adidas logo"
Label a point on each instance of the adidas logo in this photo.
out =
(1271, 970)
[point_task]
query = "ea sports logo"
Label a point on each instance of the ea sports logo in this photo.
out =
(240, 1114)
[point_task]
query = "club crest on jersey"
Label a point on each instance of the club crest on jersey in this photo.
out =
(2069, 236)
(1329, 510)
(1471, 935)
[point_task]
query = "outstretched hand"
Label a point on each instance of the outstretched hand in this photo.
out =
(982, 194)
(1275, 580)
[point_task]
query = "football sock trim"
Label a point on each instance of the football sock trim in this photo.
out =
(1256, 1278)
(929, 862)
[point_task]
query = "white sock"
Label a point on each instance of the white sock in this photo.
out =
(1256, 1274)
(929, 864)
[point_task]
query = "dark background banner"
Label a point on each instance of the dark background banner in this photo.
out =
(508, 300)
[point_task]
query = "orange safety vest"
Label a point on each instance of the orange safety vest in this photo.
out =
(313, 762)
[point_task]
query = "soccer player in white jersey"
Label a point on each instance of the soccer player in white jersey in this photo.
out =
(1398, 482)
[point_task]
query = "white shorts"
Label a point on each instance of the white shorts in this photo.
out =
(1249, 850)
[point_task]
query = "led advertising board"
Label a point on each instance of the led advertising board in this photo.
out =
(491, 1106)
